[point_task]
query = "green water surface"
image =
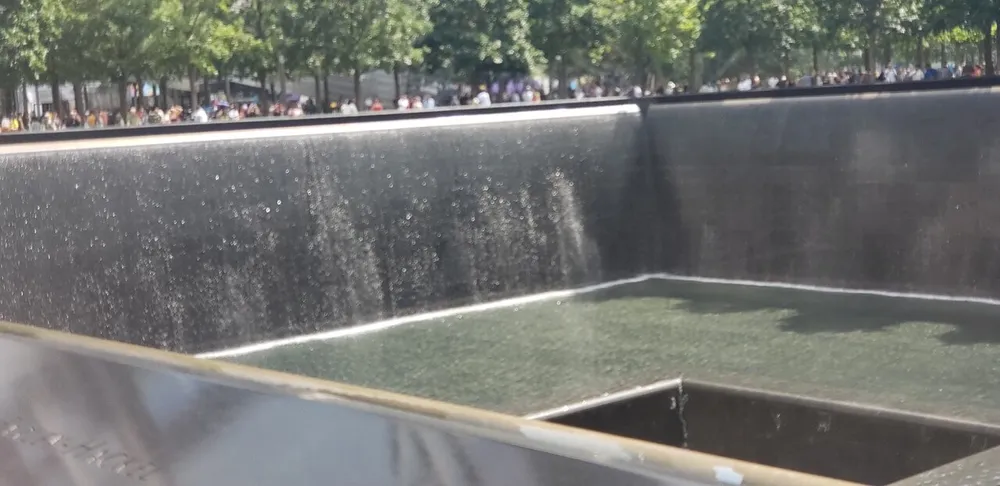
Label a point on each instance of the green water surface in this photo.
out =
(926, 356)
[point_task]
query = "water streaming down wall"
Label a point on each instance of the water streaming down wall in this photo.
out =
(207, 244)
(213, 241)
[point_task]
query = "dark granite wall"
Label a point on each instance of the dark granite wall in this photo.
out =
(200, 245)
(896, 191)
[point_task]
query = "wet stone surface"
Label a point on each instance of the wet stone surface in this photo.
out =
(202, 245)
(926, 356)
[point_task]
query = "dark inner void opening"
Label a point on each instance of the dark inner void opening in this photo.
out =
(832, 439)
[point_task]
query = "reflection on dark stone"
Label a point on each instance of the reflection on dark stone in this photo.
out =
(841, 190)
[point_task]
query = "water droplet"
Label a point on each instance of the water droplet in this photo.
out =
(216, 176)
(409, 216)
(388, 176)
(267, 210)
(279, 202)
(558, 302)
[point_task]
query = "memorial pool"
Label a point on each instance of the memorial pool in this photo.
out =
(912, 352)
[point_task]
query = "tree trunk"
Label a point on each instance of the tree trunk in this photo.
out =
(25, 109)
(207, 95)
(318, 88)
(56, 96)
(988, 50)
(123, 100)
(357, 86)
(163, 91)
(696, 63)
(7, 100)
(193, 86)
(78, 101)
(563, 79)
(815, 56)
(326, 90)
(752, 59)
(921, 55)
(996, 48)
(265, 106)
(944, 55)
(140, 93)
(395, 80)
(227, 87)
(870, 50)
(281, 75)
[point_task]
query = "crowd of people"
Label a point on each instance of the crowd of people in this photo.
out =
(138, 115)
(891, 74)
(483, 96)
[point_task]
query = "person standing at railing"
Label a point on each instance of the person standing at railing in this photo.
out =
(199, 115)
(483, 97)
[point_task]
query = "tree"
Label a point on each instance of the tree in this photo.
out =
(753, 28)
(480, 39)
(567, 34)
(979, 16)
(22, 40)
(193, 38)
(374, 34)
(880, 20)
(106, 39)
(649, 36)
(258, 57)
(819, 25)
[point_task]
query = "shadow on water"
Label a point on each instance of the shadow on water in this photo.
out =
(820, 312)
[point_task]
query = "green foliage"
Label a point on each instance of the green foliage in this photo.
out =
(23, 50)
(649, 35)
(194, 34)
(475, 38)
(751, 26)
(567, 29)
